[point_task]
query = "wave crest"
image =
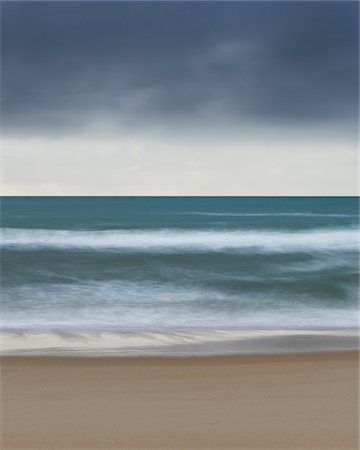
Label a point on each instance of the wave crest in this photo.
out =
(172, 241)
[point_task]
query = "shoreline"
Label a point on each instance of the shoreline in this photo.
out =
(194, 342)
(273, 401)
(167, 360)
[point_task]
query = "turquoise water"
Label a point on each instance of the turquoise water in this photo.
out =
(153, 263)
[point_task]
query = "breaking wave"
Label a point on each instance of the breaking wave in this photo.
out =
(170, 241)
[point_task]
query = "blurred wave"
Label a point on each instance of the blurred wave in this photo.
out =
(184, 240)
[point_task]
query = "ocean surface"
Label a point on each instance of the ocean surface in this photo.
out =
(152, 264)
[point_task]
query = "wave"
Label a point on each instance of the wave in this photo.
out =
(175, 240)
(285, 214)
(142, 305)
(66, 312)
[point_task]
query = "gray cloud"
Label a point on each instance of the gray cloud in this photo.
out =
(66, 65)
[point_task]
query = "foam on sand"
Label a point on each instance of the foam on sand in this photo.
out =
(201, 342)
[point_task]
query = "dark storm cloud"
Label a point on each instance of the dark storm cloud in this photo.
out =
(65, 64)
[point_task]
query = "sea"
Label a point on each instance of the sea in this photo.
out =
(136, 274)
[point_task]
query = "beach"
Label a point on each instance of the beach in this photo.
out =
(180, 323)
(273, 401)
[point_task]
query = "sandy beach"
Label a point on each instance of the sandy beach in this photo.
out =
(289, 401)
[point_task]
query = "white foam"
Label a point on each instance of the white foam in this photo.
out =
(170, 241)
(154, 342)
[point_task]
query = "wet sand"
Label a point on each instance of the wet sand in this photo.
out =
(287, 401)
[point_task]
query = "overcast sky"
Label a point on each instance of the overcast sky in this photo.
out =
(179, 98)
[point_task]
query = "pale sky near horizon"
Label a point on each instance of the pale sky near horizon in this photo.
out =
(180, 98)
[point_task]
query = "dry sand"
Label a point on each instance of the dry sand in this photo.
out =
(295, 401)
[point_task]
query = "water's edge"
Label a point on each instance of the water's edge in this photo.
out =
(177, 343)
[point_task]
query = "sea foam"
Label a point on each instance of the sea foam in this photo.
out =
(175, 240)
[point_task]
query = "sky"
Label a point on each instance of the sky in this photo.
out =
(179, 98)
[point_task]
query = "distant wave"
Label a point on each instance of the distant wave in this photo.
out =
(176, 240)
(285, 214)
